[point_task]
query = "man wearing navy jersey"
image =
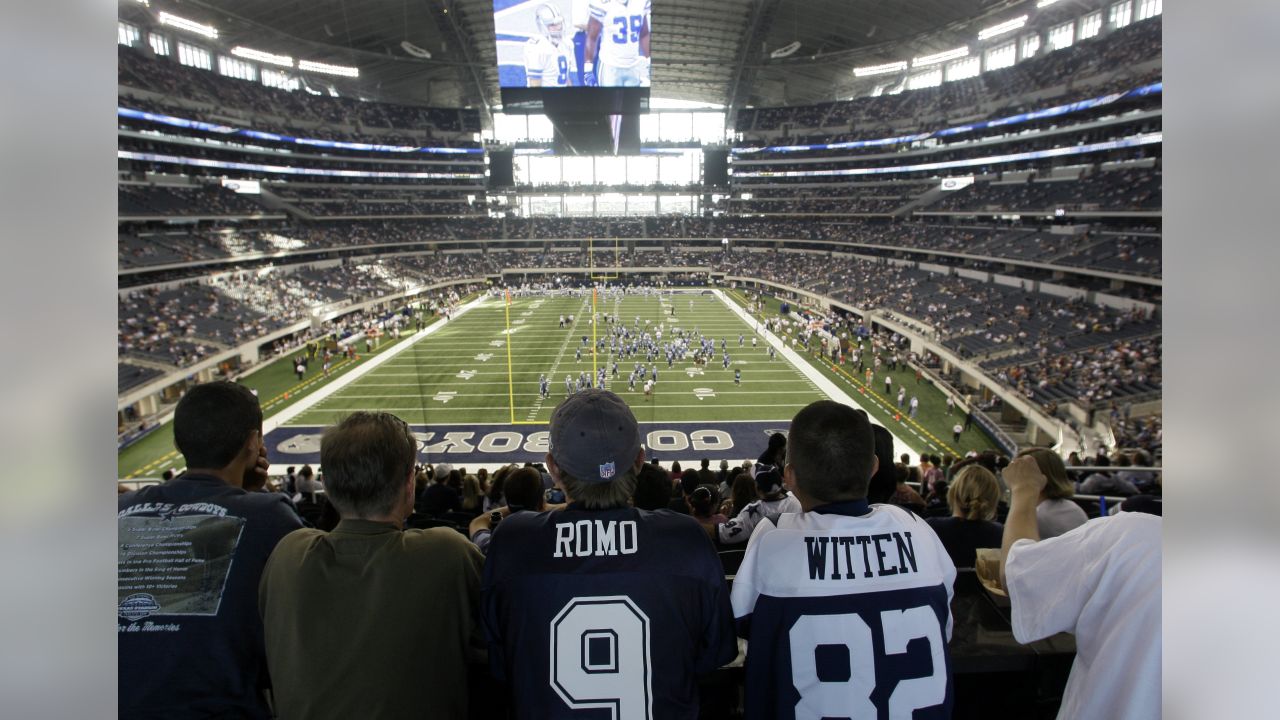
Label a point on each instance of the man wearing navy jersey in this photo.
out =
(600, 605)
(846, 606)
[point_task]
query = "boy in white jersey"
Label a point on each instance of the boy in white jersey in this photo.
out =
(618, 39)
(846, 606)
(548, 60)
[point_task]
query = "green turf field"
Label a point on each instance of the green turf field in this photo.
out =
(459, 374)
(484, 365)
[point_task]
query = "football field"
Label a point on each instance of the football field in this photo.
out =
(484, 367)
(470, 387)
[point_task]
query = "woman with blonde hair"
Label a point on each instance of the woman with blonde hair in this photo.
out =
(973, 495)
(472, 498)
(1056, 513)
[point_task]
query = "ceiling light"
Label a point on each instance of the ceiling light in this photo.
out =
(260, 56)
(327, 69)
(936, 58)
(785, 50)
(880, 69)
(1002, 28)
(1045, 3)
(182, 23)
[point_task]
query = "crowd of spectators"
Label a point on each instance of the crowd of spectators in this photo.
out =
(1134, 189)
(1087, 69)
(1119, 369)
(296, 109)
(175, 200)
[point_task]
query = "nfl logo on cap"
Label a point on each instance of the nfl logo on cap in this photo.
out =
(607, 471)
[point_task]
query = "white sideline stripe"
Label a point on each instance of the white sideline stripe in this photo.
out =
(660, 423)
(309, 402)
(488, 395)
(824, 385)
(488, 408)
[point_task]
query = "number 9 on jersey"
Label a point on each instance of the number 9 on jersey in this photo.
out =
(600, 656)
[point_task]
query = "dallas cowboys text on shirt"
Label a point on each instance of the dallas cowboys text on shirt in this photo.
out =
(849, 557)
(595, 537)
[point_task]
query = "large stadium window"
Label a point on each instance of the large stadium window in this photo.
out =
(641, 204)
(1090, 25)
(545, 205)
(679, 169)
(676, 126)
(642, 170)
(963, 69)
(1062, 36)
(236, 68)
(540, 128)
(678, 204)
(650, 128)
(611, 204)
(545, 170)
(1030, 46)
(159, 44)
(127, 34)
(193, 56)
(579, 170)
(928, 79)
(1002, 57)
(579, 205)
(510, 128)
(1149, 8)
(1121, 14)
(611, 170)
(708, 127)
(278, 80)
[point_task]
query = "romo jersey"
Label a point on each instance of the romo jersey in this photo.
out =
(629, 606)
(622, 22)
(847, 612)
(552, 64)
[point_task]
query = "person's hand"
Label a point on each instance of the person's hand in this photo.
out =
(258, 471)
(1024, 478)
(589, 75)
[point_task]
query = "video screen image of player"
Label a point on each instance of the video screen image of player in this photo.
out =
(572, 43)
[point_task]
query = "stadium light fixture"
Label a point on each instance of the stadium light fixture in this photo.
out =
(1002, 28)
(926, 60)
(191, 26)
(1045, 3)
(327, 69)
(869, 70)
(260, 56)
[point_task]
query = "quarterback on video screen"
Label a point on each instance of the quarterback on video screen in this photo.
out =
(549, 60)
(617, 52)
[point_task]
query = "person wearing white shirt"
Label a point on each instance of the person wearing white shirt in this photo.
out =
(548, 59)
(1101, 582)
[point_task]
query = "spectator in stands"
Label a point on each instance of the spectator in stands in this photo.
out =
(775, 454)
(973, 497)
(774, 500)
(439, 497)
(495, 496)
(1104, 482)
(904, 495)
(795, 578)
(705, 474)
(743, 492)
(1100, 581)
(704, 506)
(551, 579)
(472, 499)
(307, 485)
(524, 494)
(653, 488)
(1056, 514)
(330, 657)
(202, 654)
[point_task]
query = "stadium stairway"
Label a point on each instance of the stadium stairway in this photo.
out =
(275, 202)
(925, 199)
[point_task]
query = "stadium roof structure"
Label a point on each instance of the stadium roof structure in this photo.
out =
(707, 51)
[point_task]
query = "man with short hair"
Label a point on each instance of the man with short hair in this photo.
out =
(628, 605)
(524, 493)
(344, 611)
(845, 606)
(191, 552)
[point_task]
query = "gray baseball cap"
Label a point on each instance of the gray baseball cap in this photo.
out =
(594, 436)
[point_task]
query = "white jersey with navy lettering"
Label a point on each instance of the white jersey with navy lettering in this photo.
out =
(846, 610)
(553, 64)
(738, 529)
(622, 22)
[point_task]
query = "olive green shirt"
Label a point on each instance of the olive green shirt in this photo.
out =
(369, 621)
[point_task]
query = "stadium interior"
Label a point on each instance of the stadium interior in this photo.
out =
(972, 188)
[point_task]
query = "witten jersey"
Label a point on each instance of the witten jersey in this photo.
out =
(552, 64)
(629, 606)
(619, 43)
(846, 616)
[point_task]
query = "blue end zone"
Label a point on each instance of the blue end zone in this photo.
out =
(501, 444)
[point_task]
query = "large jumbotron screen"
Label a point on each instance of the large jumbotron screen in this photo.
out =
(593, 53)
